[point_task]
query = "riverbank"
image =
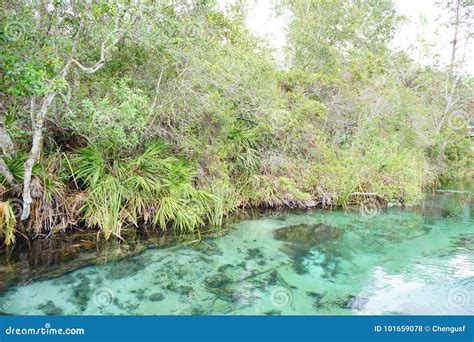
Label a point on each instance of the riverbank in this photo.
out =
(62, 253)
(301, 256)
(176, 131)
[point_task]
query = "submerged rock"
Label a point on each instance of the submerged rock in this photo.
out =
(227, 294)
(156, 297)
(317, 299)
(302, 239)
(273, 312)
(180, 289)
(217, 280)
(67, 279)
(50, 309)
(125, 268)
(139, 293)
(254, 253)
(81, 294)
(198, 311)
(308, 235)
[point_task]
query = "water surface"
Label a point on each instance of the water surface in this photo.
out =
(400, 261)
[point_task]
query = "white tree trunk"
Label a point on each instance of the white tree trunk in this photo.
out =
(5, 171)
(34, 154)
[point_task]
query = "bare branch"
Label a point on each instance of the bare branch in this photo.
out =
(97, 66)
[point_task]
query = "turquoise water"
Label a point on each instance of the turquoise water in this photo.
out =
(392, 261)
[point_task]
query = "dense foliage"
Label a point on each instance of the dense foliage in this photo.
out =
(145, 113)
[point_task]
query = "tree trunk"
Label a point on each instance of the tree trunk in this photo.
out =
(5, 171)
(34, 154)
(5, 140)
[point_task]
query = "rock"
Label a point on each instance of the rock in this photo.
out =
(308, 235)
(99, 280)
(224, 268)
(156, 297)
(180, 289)
(81, 294)
(197, 311)
(349, 302)
(273, 312)
(139, 293)
(254, 253)
(217, 280)
(50, 309)
(227, 294)
(125, 268)
(302, 239)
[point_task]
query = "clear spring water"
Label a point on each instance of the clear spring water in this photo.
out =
(417, 261)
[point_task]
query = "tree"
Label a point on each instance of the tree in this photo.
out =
(57, 36)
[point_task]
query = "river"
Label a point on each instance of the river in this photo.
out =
(392, 261)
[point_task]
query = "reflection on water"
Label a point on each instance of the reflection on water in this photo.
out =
(417, 261)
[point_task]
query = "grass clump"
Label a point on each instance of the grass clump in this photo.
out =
(153, 188)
